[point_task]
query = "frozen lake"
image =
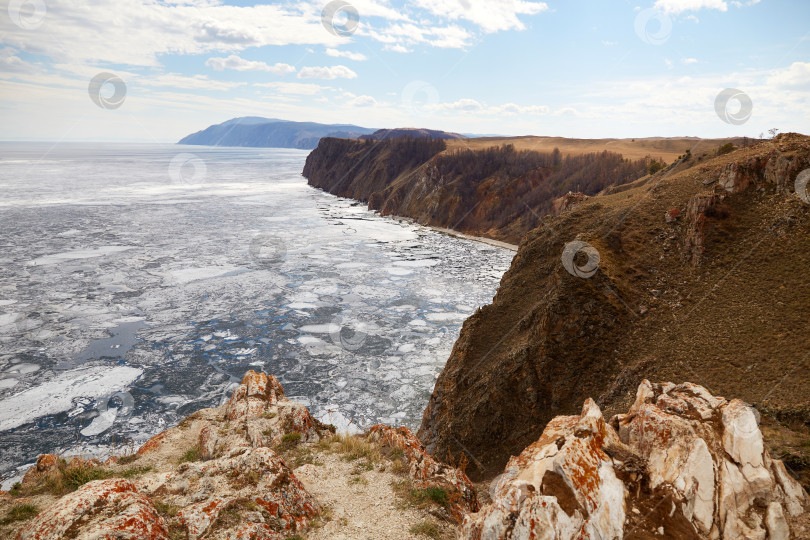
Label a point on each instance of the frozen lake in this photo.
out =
(139, 282)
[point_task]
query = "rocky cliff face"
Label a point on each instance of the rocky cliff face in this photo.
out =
(714, 295)
(498, 192)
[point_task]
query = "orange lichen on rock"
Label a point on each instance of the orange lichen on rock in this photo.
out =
(428, 472)
(100, 509)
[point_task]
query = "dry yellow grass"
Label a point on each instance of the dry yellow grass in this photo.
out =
(658, 147)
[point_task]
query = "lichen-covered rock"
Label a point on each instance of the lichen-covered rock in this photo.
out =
(426, 471)
(711, 451)
(681, 463)
(99, 510)
(256, 478)
(562, 486)
(45, 464)
(258, 415)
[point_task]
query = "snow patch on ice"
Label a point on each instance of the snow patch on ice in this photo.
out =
(56, 394)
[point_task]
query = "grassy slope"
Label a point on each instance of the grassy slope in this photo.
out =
(667, 148)
(738, 323)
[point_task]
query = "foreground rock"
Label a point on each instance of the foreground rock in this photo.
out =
(250, 469)
(680, 464)
(100, 509)
(426, 471)
(230, 481)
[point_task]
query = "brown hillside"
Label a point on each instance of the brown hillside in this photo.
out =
(668, 148)
(719, 296)
(500, 192)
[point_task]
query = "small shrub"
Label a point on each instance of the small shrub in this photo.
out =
(75, 477)
(191, 455)
(166, 508)
(126, 460)
(290, 440)
(655, 166)
(399, 467)
(426, 528)
(135, 471)
(19, 512)
(725, 149)
(354, 447)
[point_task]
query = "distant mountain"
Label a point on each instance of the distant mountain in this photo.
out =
(412, 132)
(254, 131)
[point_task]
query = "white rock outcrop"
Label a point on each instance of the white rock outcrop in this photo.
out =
(681, 463)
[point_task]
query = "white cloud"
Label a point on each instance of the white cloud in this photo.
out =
(300, 89)
(797, 76)
(10, 63)
(197, 82)
(137, 32)
(333, 72)
(363, 101)
(490, 15)
(240, 64)
(514, 109)
(688, 61)
(679, 6)
(567, 111)
(692, 18)
(359, 57)
(401, 37)
(465, 104)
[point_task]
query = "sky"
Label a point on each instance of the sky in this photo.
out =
(155, 71)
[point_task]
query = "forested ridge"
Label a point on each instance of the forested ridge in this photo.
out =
(500, 192)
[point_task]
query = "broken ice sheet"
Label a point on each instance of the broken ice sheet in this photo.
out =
(171, 293)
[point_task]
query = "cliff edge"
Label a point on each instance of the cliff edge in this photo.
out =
(696, 274)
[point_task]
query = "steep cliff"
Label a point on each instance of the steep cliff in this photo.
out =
(498, 192)
(698, 274)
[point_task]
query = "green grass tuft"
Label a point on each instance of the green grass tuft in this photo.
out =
(19, 512)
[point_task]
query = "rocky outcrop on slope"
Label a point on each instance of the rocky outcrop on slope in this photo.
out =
(428, 472)
(680, 464)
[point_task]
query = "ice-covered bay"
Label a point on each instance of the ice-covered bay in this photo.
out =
(131, 283)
